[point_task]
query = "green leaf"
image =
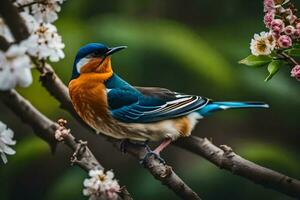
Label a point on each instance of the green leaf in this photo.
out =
(294, 52)
(273, 68)
(256, 61)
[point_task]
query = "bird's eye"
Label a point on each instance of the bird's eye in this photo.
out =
(95, 54)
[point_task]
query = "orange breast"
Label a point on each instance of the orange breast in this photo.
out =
(88, 95)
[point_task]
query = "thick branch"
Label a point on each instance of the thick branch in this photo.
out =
(45, 128)
(225, 158)
(163, 173)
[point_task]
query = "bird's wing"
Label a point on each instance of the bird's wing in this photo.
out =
(145, 105)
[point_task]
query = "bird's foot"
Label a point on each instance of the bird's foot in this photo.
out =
(149, 154)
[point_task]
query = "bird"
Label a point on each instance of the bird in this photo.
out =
(115, 108)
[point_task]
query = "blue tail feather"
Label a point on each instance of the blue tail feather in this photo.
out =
(216, 106)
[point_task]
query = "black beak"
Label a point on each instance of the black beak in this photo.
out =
(114, 50)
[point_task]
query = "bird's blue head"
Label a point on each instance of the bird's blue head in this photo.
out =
(93, 58)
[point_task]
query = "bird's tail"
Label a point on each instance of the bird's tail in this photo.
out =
(217, 106)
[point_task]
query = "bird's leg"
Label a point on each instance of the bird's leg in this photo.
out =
(156, 152)
(162, 146)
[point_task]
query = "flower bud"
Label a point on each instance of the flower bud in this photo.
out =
(289, 30)
(277, 25)
(284, 41)
(296, 72)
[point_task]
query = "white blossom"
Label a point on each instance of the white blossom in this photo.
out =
(5, 32)
(15, 68)
(6, 139)
(30, 22)
(101, 185)
(45, 43)
(262, 44)
(43, 11)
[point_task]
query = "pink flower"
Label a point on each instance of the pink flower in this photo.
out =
(269, 5)
(296, 72)
(277, 26)
(289, 30)
(268, 18)
(298, 25)
(284, 41)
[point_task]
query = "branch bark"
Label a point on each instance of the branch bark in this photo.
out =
(225, 158)
(45, 129)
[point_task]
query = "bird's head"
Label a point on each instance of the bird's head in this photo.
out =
(93, 58)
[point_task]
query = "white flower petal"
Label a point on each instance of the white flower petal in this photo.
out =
(5, 140)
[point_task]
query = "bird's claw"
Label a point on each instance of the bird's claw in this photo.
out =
(149, 154)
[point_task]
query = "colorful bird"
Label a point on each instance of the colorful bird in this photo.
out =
(115, 108)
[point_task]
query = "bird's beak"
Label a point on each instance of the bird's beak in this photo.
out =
(114, 50)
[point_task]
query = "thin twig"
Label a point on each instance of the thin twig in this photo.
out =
(289, 58)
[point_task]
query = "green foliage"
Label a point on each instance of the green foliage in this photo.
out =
(256, 61)
(262, 61)
(273, 68)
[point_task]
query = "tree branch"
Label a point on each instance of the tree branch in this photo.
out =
(163, 173)
(13, 20)
(225, 158)
(45, 129)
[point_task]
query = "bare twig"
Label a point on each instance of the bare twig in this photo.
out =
(225, 158)
(289, 59)
(45, 128)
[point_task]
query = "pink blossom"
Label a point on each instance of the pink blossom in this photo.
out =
(284, 41)
(289, 30)
(298, 25)
(269, 5)
(296, 72)
(277, 26)
(268, 18)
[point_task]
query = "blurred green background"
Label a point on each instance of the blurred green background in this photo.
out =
(188, 46)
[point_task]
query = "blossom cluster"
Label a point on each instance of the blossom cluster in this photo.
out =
(43, 43)
(283, 33)
(101, 185)
(6, 140)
